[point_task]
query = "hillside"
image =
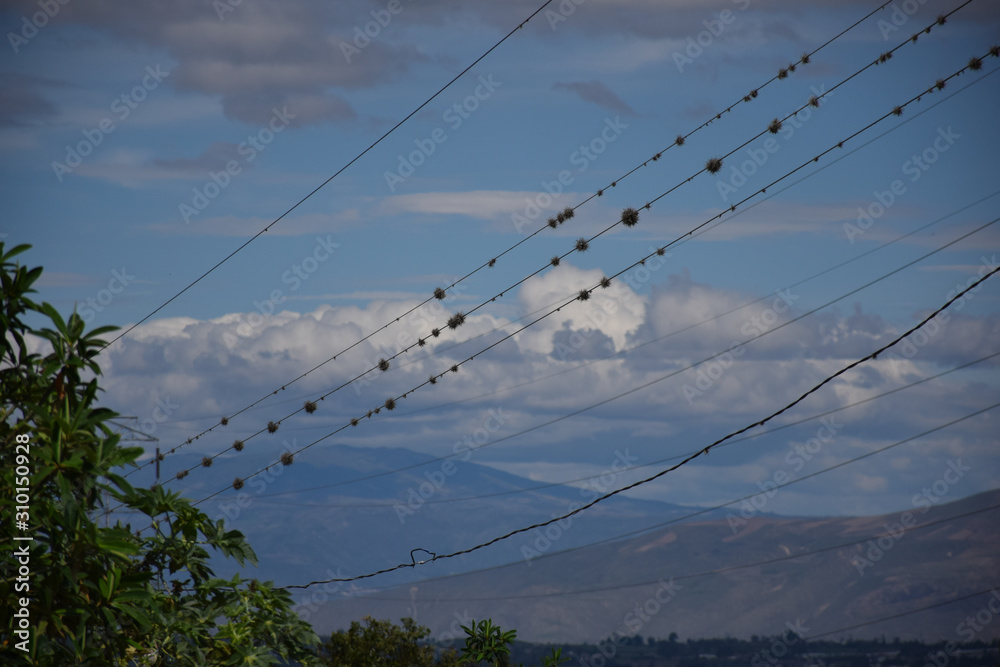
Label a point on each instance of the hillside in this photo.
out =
(819, 592)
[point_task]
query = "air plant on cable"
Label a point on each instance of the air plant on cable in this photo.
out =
(272, 427)
(630, 217)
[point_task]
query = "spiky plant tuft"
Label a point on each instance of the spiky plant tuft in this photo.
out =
(584, 295)
(940, 84)
(600, 193)
(492, 262)
(582, 245)
(782, 73)
(713, 165)
(435, 332)
(390, 403)
(897, 111)
(181, 474)
(383, 364)
(439, 293)
(753, 93)
(942, 19)
(804, 59)
(287, 458)
(814, 101)
(774, 127)
(454, 368)
(976, 63)
(554, 261)
(238, 445)
(605, 282)
(456, 320)
(309, 407)
(791, 68)
(679, 140)
(553, 223)
(432, 379)
(354, 421)
(630, 217)
(568, 213)
(995, 51)
(206, 462)
(421, 342)
(237, 483)
(272, 427)
(661, 251)
(224, 421)
(560, 217)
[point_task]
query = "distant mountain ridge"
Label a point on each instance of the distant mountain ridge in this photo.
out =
(895, 568)
(344, 528)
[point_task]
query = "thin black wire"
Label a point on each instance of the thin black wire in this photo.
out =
(626, 469)
(338, 172)
(659, 251)
(704, 510)
(805, 58)
(991, 589)
(454, 367)
(683, 577)
(702, 452)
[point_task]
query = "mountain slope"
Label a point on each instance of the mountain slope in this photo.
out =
(900, 569)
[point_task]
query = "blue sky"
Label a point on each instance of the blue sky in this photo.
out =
(201, 126)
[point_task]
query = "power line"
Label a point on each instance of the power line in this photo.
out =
(991, 589)
(626, 469)
(804, 60)
(682, 577)
(704, 451)
(706, 510)
(337, 173)
(459, 318)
